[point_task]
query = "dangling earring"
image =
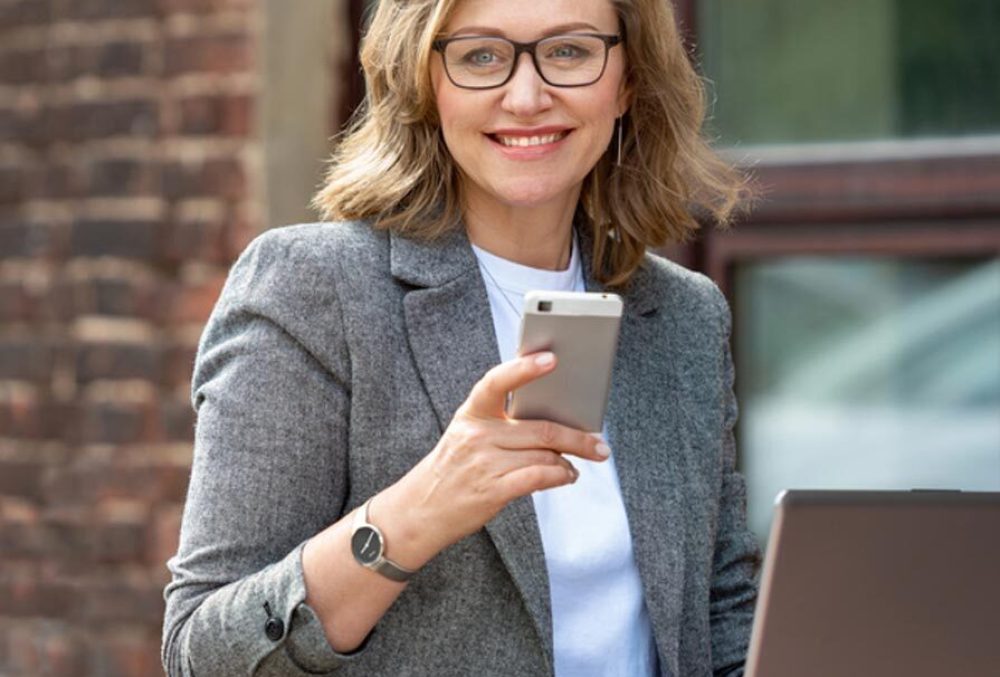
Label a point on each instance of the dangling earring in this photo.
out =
(613, 231)
(618, 125)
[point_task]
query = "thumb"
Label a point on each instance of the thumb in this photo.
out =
(489, 395)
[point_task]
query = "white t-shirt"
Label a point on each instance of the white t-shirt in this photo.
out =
(600, 625)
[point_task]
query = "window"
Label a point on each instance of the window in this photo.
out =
(868, 372)
(866, 284)
(814, 70)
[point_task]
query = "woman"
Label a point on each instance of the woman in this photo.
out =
(351, 377)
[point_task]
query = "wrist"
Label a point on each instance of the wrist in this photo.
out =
(409, 538)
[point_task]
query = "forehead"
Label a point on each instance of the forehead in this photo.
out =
(527, 19)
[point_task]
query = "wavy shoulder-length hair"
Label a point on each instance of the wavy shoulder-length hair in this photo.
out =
(392, 167)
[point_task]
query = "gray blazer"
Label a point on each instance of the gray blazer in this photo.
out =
(332, 363)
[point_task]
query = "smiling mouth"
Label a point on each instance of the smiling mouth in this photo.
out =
(528, 141)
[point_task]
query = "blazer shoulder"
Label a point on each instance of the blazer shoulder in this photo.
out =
(683, 287)
(316, 243)
(306, 256)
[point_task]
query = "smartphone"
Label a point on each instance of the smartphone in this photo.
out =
(581, 328)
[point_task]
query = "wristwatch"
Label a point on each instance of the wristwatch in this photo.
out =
(368, 547)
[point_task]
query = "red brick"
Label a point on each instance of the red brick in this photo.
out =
(178, 366)
(126, 657)
(58, 420)
(108, 296)
(177, 420)
(23, 239)
(22, 479)
(101, 177)
(208, 54)
(24, 596)
(117, 361)
(123, 297)
(122, 176)
(22, 656)
(83, 121)
(94, 482)
(112, 423)
(84, 605)
(12, 184)
(20, 13)
(103, 9)
(21, 67)
(216, 115)
(108, 60)
(62, 653)
(239, 233)
(136, 239)
(26, 359)
(195, 240)
(17, 302)
(23, 126)
(34, 417)
(202, 6)
(116, 601)
(193, 303)
(166, 529)
(68, 299)
(213, 178)
(79, 539)
(56, 181)
(21, 418)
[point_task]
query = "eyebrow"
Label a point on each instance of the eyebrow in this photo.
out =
(555, 30)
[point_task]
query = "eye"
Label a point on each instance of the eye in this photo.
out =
(480, 57)
(567, 50)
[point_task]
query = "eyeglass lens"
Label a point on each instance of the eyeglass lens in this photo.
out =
(567, 60)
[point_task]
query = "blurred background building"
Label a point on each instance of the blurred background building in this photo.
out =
(144, 142)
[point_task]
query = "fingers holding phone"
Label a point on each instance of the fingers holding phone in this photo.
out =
(497, 448)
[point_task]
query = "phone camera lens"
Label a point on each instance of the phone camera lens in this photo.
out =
(544, 306)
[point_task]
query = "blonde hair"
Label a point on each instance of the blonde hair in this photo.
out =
(392, 166)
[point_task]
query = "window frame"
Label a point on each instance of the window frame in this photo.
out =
(905, 198)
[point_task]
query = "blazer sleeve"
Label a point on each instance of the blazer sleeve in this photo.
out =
(272, 399)
(737, 554)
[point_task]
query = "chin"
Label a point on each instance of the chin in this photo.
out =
(530, 194)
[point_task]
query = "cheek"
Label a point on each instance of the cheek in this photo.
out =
(450, 108)
(444, 101)
(452, 122)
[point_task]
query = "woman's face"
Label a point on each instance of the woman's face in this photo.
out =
(528, 143)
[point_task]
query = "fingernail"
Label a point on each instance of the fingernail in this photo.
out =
(544, 359)
(602, 449)
(574, 474)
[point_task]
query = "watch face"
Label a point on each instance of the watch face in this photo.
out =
(366, 544)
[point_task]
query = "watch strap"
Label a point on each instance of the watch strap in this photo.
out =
(382, 565)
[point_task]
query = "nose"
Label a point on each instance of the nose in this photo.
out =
(526, 93)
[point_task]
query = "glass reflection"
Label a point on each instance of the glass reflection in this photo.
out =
(867, 373)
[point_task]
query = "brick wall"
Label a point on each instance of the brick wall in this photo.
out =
(127, 157)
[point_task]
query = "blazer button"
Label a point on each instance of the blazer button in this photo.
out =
(274, 629)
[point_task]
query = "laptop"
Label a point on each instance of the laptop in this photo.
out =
(880, 584)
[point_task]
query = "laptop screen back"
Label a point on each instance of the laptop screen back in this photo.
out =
(880, 583)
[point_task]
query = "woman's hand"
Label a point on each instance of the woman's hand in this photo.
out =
(483, 461)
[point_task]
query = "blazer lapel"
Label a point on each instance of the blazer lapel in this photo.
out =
(450, 331)
(645, 439)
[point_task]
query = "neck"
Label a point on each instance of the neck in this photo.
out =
(540, 236)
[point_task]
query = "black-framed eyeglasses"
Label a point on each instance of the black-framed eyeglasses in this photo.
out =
(485, 61)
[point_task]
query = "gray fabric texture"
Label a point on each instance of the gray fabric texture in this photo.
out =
(334, 359)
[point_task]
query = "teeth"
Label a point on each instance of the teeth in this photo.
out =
(525, 141)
